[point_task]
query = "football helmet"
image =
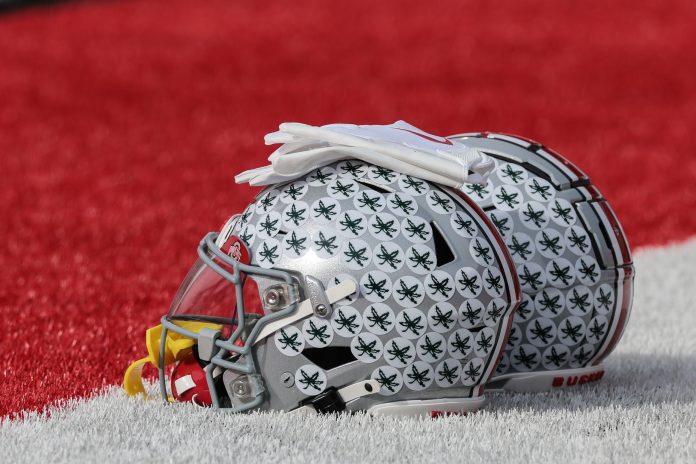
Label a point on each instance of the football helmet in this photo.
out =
(352, 288)
(572, 259)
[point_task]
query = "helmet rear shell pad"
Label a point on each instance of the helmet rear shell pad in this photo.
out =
(571, 256)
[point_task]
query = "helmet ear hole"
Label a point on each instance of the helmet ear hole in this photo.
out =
(443, 251)
(329, 357)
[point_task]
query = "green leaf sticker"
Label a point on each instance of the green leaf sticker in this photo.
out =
(295, 214)
(471, 313)
(269, 225)
(383, 226)
(296, 243)
(472, 371)
(366, 347)
(289, 341)
(402, 204)
(460, 343)
(431, 347)
(325, 210)
(479, 192)
(525, 358)
(346, 321)
(418, 376)
(511, 174)
(442, 317)
(411, 323)
(268, 254)
(388, 257)
(376, 286)
(604, 299)
(507, 198)
(447, 373)
(421, 259)
(413, 185)
(409, 291)
(369, 202)
(356, 254)
(389, 379)
(294, 191)
(555, 356)
(379, 318)
(317, 332)
(534, 215)
(399, 352)
(310, 380)
(541, 332)
(439, 286)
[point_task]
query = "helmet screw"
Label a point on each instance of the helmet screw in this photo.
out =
(321, 310)
(272, 297)
(240, 387)
(287, 379)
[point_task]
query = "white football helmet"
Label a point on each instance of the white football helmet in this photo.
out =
(352, 288)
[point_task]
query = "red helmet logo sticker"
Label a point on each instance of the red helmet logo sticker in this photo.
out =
(236, 249)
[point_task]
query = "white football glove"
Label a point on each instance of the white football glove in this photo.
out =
(399, 146)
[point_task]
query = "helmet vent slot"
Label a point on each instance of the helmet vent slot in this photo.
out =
(528, 166)
(443, 251)
(377, 188)
(329, 357)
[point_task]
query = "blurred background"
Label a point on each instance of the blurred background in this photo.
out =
(123, 123)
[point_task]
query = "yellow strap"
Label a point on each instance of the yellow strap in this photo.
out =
(176, 347)
(133, 379)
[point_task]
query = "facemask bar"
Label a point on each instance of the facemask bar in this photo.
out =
(245, 363)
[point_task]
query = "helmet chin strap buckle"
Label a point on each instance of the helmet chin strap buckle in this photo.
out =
(333, 400)
(317, 297)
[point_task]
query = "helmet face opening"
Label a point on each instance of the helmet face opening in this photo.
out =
(221, 294)
(208, 295)
(205, 296)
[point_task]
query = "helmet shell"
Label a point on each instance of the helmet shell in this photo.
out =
(436, 286)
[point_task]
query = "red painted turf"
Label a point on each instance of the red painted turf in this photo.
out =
(123, 123)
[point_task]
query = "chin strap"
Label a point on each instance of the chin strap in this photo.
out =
(334, 400)
(176, 347)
